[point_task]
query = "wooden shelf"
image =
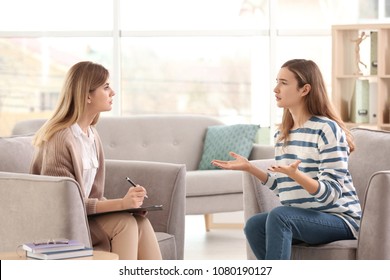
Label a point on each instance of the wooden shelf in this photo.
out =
(346, 54)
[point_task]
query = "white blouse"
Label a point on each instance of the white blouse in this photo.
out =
(89, 156)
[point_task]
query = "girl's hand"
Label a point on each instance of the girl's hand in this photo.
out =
(240, 163)
(134, 197)
(289, 170)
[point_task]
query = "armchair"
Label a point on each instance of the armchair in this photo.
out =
(166, 186)
(369, 165)
(41, 207)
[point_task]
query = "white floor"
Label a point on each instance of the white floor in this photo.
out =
(217, 244)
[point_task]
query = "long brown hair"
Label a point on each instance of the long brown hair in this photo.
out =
(317, 101)
(82, 78)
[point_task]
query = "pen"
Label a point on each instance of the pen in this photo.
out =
(133, 184)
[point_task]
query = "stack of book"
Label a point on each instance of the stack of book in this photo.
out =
(57, 250)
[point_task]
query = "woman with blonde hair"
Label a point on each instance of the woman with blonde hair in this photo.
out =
(69, 145)
(310, 177)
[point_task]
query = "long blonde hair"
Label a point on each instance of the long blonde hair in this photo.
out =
(82, 78)
(317, 101)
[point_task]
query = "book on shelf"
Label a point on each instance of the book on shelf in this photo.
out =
(373, 102)
(58, 255)
(360, 102)
(44, 247)
(374, 53)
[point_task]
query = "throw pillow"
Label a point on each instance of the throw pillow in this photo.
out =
(221, 139)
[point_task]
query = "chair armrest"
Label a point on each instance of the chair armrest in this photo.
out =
(36, 207)
(374, 238)
(165, 184)
(257, 198)
(262, 152)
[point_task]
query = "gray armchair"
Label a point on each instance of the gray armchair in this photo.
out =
(370, 169)
(42, 207)
(166, 186)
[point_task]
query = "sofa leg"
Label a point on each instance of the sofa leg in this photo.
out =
(208, 220)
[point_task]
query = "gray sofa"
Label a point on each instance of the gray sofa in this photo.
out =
(41, 207)
(369, 165)
(177, 139)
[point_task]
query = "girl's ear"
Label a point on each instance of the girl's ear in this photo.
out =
(306, 89)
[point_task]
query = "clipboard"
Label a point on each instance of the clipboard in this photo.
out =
(132, 210)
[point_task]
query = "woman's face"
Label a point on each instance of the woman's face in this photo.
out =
(287, 93)
(100, 100)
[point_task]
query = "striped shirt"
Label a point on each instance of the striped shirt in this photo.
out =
(322, 147)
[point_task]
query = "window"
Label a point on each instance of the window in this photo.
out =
(216, 57)
(208, 75)
(48, 15)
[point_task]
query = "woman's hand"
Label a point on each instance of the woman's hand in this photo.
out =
(239, 163)
(289, 170)
(292, 171)
(134, 197)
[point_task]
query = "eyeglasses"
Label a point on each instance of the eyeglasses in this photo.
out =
(51, 241)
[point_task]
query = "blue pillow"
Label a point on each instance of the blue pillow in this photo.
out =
(221, 139)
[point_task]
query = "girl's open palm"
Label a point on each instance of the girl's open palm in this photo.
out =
(289, 170)
(239, 163)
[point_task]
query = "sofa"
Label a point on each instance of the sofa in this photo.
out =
(177, 139)
(36, 207)
(369, 165)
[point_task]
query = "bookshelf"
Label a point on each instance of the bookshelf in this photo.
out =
(369, 44)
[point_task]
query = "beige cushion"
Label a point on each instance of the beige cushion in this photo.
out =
(16, 154)
(213, 182)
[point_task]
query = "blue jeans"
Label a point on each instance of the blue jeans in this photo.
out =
(271, 235)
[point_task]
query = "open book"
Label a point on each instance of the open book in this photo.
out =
(133, 210)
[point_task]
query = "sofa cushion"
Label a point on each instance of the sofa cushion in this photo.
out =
(213, 182)
(16, 154)
(221, 139)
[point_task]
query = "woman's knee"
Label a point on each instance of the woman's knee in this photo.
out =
(126, 222)
(143, 222)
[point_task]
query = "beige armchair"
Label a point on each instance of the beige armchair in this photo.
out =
(36, 207)
(370, 169)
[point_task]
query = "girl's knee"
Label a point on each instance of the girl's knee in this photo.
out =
(255, 222)
(278, 211)
(250, 224)
(281, 215)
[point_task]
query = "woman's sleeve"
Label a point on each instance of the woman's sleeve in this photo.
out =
(333, 165)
